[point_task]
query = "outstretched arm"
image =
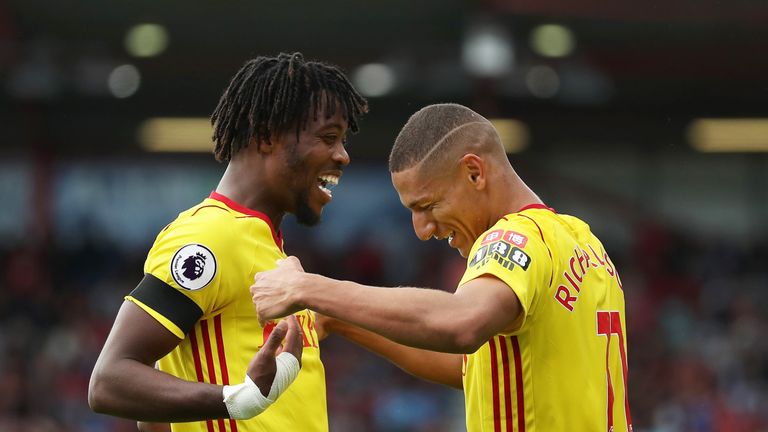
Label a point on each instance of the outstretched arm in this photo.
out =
(422, 318)
(153, 427)
(441, 368)
(124, 382)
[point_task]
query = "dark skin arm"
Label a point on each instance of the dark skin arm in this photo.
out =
(153, 427)
(124, 382)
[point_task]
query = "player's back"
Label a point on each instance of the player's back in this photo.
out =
(576, 332)
(565, 366)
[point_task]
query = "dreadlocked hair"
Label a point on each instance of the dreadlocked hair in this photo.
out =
(271, 95)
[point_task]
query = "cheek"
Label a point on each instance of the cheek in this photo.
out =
(456, 206)
(296, 173)
(463, 216)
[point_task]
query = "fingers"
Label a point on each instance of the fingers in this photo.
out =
(291, 262)
(294, 340)
(276, 338)
(273, 292)
(262, 314)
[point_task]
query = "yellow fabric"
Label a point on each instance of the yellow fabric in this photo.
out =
(555, 362)
(163, 320)
(242, 245)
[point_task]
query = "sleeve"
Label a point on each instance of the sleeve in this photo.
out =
(185, 274)
(513, 251)
(175, 311)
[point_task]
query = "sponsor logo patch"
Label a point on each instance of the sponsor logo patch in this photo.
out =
(513, 237)
(492, 236)
(520, 258)
(516, 238)
(504, 253)
(193, 266)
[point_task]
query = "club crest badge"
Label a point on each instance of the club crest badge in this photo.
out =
(193, 266)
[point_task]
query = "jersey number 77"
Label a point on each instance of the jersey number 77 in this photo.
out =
(609, 324)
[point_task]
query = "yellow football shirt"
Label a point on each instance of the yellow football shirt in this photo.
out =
(196, 284)
(565, 367)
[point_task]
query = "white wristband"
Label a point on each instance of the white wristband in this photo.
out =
(287, 370)
(245, 400)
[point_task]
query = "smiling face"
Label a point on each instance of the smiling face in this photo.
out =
(313, 164)
(444, 206)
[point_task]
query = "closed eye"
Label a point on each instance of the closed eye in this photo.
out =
(427, 207)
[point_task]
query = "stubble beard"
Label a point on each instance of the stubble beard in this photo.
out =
(304, 213)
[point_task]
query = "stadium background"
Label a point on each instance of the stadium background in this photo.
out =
(602, 106)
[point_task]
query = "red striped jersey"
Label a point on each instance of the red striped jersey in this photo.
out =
(196, 284)
(565, 367)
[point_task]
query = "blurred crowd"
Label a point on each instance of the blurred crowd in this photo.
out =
(698, 354)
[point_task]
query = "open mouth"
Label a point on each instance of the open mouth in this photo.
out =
(449, 237)
(326, 183)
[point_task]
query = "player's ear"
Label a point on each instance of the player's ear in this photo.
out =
(264, 145)
(473, 170)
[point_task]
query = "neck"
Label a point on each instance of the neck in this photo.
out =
(245, 182)
(513, 195)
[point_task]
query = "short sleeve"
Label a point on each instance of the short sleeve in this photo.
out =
(185, 273)
(513, 251)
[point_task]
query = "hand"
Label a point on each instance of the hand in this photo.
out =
(263, 367)
(273, 292)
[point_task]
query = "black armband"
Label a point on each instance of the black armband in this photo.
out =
(168, 302)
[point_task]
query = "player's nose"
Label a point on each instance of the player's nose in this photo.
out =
(423, 226)
(340, 155)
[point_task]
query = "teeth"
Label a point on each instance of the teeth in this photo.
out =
(329, 180)
(448, 237)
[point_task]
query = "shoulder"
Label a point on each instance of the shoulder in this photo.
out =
(220, 224)
(191, 248)
(520, 235)
(206, 223)
(515, 228)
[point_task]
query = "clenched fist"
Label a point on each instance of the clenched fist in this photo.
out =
(276, 293)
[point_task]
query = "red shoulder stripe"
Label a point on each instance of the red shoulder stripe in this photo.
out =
(507, 382)
(519, 384)
(198, 366)
(222, 361)
(495, 387)
(209, 361)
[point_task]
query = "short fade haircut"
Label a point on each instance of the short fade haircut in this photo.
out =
(431, 129)
(271, 95)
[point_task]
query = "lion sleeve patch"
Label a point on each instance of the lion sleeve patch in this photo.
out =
(193, 266)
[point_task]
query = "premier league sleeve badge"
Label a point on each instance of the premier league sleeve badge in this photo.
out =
(193, 266)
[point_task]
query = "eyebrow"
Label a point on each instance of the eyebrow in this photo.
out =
(419, 202)
(334, 125)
